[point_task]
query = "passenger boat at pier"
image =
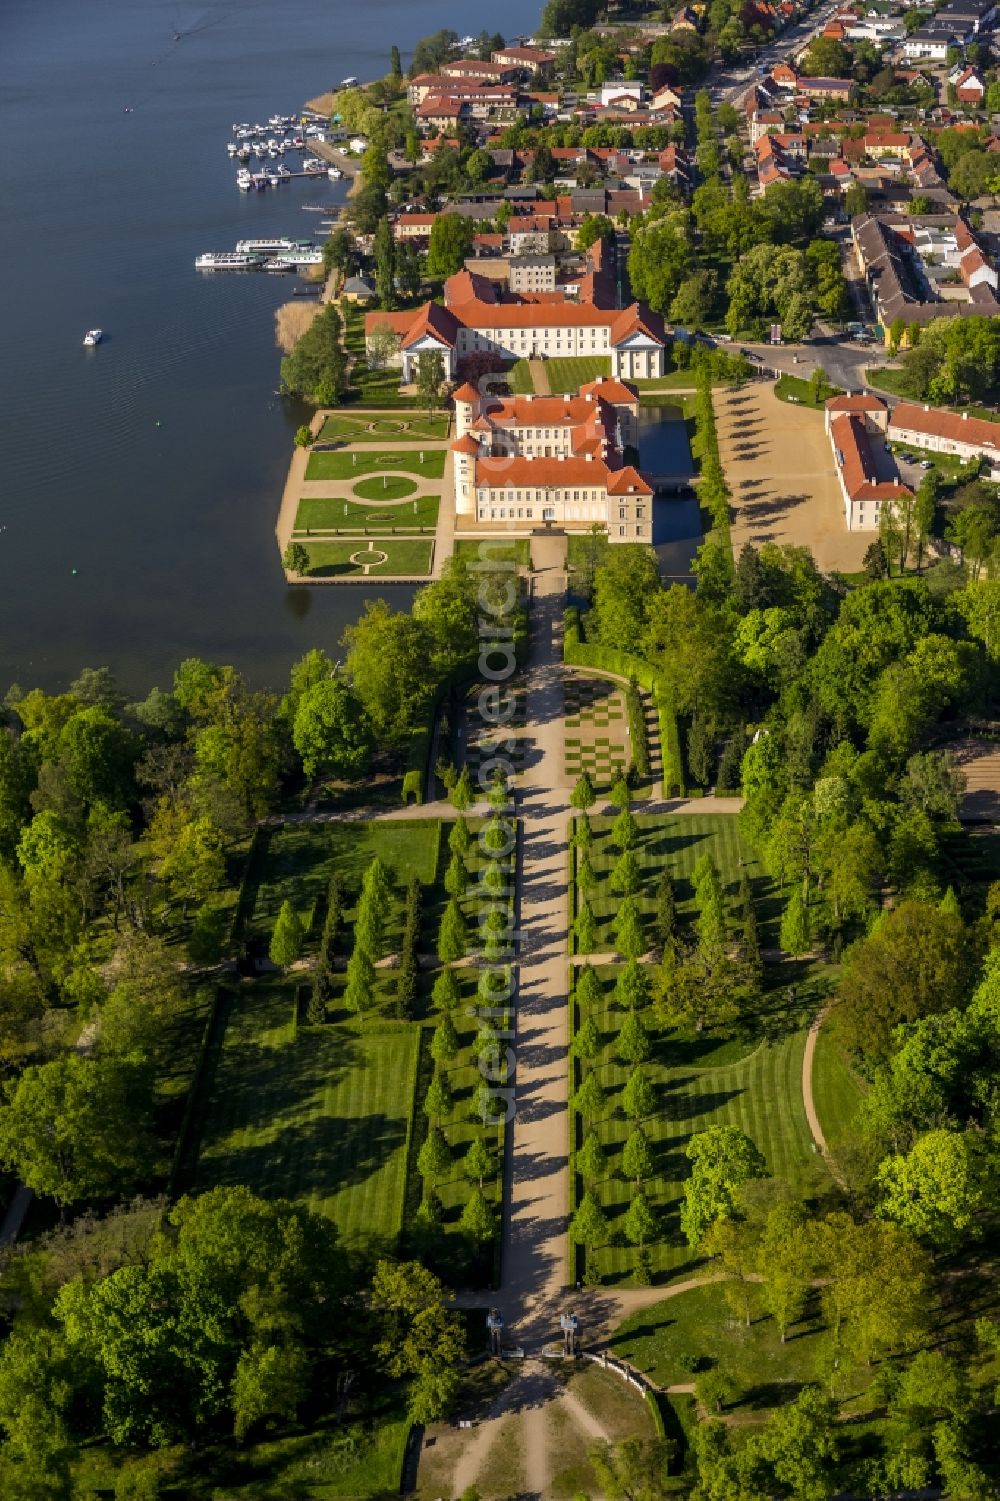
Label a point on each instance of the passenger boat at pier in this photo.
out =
(228, 260)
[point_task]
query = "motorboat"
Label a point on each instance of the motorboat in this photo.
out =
(283, 173)
(244, 180)
(93, 336)
(348, 83)
(232, 148)
(334, 173)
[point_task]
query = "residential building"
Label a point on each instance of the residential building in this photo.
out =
(856, 427)
(939, 431)
(527, 59)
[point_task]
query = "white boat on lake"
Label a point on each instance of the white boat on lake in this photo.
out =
(228, 260)
(93, 336)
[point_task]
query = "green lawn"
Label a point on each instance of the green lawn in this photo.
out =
(407, 557)
(378, 427)
(678, 842)
(837, 1091)
(571, 374)
(699, 1083)
(517, 550)
(321, 1116)
(326, 513)
(519, 379)
(793, 388)
(384, 487)
(345, 466)
(665, 1340)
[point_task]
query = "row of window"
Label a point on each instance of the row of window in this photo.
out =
(485, 499)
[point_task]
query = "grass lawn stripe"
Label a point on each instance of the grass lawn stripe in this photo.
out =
(342, 465)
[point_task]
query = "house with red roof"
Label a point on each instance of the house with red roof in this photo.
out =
(856, 426)
(522, 461)
(479, 319)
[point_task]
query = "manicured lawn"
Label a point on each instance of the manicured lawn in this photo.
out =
(664, 1340)
(345, 466)
(323, 513)
(379, 427)
(837, 1090)
(757, 1087)
(407, 556)
(792, 388)
(517, 550)
(385, 487)
(519, 379)
(321, 1115)
(678, 842)
(571, 374)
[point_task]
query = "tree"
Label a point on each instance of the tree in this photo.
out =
(801, 1445)
(632, 986)
(876, 1283)
(331, 731)
(478, 1220)
(77, 1128)
(439, 1100)
(456, 877)
(638, 1097)
(359, 994)
(384, 251)
(586, 1044)
(317, 367)
(665, 920)
(795, 936)
(916, 962)
(452, 938)
(444, 1042)
(588, 1100)
(632, 1470)
(381, 346)
(633, 1044)
(287, 937)
(434, 1160)
(462, 796)
(591, 1160)
(583, 795)
(295, 558)
(629, 939)
(589, 1225)
(593, 227)
(479, 1162)
(640, 1221)
(420, 1336)
(694, 298)
(724, 1160)
(430, 379)
(786, 1259)
(585, 929)
(625, 878)
(450, 242)
(637, 1157)
(194, 865)
(939, 1189)
(660, 258)
(387, 655)
(625, 830)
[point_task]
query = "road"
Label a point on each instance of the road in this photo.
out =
(727, 83)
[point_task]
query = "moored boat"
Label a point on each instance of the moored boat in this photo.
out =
(227, 260)
(93, 336)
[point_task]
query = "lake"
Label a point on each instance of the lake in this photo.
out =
(141, 479)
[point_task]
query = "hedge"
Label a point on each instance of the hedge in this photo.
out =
(580, 653)
(637, 729)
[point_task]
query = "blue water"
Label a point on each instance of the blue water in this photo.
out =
(663, 441)
(141, 480)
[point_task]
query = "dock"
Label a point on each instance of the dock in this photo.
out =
(349, 165)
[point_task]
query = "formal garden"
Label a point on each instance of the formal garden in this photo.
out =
(332, 513)
(348, 1073)
(358, 557)
(353, 464)
(347, 426)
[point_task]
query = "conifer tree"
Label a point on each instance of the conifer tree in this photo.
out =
(583, 797)
(434, 1160)
(633, 1044)
(438, 1101)
(625, 830)
(462, 792)
(637, 1157)
(447, 992)
(585, 929)
(460, 839)
(586, 1045)
(589, 1098)
(452, 934)
(638, 1098)
(359, 995)
(629, 940)
(589, 1226)
(287, 937)
(479, 1162)
(625, 877)
(591, 1160)
(478, 1221)
(444, 1042)
(456, 877)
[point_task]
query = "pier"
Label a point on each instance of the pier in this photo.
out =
(349, 165)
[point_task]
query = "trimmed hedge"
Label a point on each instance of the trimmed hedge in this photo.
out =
(637, 729)
(579, 653)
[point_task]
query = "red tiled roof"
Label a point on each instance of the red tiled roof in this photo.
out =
(467, 392)
(859, 403)
(937, 423)
(467, 444)
(856, 463)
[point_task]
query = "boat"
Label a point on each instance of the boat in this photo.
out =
(277, 266)
(272, 179)
(244, 153)
(244, 180)
(300, 256)
(258, 181)
(93, 336)
(265, 246)
(334, 173)
(232, 148)
(227, 260)
(348, 83)
(284, 173)
(313, 166)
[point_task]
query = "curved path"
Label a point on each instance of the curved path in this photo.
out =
(808, 1100)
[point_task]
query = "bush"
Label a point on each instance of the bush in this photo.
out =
(637, 729)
